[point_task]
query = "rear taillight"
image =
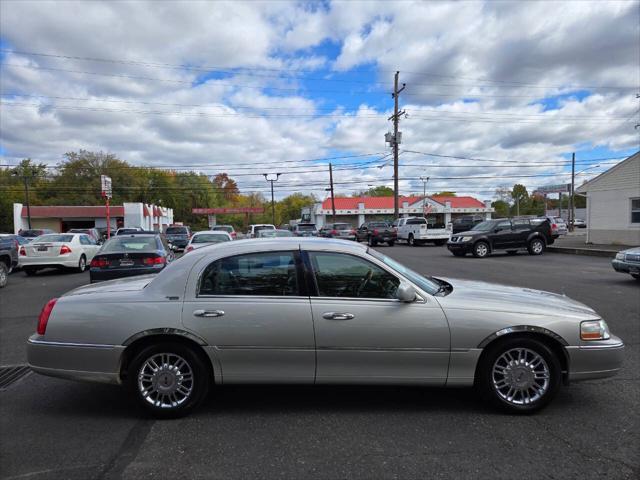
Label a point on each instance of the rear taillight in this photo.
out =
(190, 248)
(233, 234)
(154, 260)
(64, 249)
(23, 252)
(99, 263)
(334, 232)
(375, 231)
(43, 319)
(353, 232)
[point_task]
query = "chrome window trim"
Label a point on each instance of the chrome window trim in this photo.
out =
(278, 297)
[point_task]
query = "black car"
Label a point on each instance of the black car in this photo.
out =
(466, 223)
(9, 245)
(178, 236)
(502, 234)
(34, 232)
(376, 232)
(129, 255)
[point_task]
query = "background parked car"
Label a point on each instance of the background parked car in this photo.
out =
(305, 230)
(343, 231)
(226, 228)
(255, 228)
(34, 232)
(376, 232)
(19, 241)
(502, 234)
(278, 232)
(130, 255)
(93, 232)
(465, 223)
(557, 224)
(178, 236)
(628, 261)
(417, 230)
(207, 237)
(579, 223)
(8, 257)
(127, 230)
(58, 250)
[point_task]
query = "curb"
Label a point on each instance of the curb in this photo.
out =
(583, 251)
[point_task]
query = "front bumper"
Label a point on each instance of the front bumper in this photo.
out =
(625, 267)
(74, 361)
(598, 360)
(465, 247)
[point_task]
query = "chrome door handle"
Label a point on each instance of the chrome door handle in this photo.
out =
(338, 316)
(208, 313)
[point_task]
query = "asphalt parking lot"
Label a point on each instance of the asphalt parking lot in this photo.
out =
(52, 428)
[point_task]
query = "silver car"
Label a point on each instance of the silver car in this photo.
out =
(305, 311)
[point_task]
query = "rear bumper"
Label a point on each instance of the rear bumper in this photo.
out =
(624, 267)
(100, 275)
(86, 362)
(601, 360)
(49, 262)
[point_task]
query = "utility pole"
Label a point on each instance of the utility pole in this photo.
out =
(333, 202)
(25, 180)
(273, 205)
(396, 119)
(424, 189)
(572, 212)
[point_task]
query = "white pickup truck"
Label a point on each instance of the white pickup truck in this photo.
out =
(417, 230)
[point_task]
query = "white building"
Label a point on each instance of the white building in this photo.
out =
(61, 218)
(613, 204)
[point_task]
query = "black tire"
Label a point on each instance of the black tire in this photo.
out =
(29, 271)
(198, 386)
(481, 249)
(536, 246)
(458, 254)
(357, 239)
(391, 243)
(439, 243)
(495, 386)
(4, 274)
(371, 241)
(412, 241)
(512, 252)
(82, 264)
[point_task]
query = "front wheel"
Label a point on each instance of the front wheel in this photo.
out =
(168, 379)
(4, 274)
(519, 375)
(481, 249)
(536, 246)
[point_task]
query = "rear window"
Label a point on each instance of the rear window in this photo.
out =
(307, 227)
(416, 221)
(263, 227)
(130, 244)
(379, 224)
(177, 231)
(54, 238)
(31, 233)
(209, 238)
(223, 228)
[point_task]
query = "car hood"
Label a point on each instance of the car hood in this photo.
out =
(469, 232)
(631, 250)
(118, 285)
(476, 295)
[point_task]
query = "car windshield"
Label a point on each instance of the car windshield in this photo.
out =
(30, 233)
(223, 228)
(177, 231)
(209, 238)
(263, 227)
(484, 226)
(379, 224)
(53, 238)
(423, 282)
(130, 244)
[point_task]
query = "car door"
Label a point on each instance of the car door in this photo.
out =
(254, 311)
(89, 246)
(364, 334)
(502, 235)
(521, 229)
(362, 231)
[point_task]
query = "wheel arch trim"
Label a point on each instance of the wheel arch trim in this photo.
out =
(522, 329)
(165, 331)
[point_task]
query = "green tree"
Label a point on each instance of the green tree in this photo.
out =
(501, 207)
(445, 194)
(380, 191)
(520, 196)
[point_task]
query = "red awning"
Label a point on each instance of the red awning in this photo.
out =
(58, 211)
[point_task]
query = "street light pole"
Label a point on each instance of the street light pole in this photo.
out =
(271, 181)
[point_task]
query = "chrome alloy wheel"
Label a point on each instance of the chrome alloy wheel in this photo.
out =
(165, 380)
(520, 376)
(536, 246)
(482, 250)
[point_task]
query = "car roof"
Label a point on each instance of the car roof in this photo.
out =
(212, 232)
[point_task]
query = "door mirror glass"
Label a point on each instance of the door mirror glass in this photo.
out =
(406, 293)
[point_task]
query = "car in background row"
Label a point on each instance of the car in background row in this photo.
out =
(226, 228)
(278, 232)
(465, 223)
(255, 228)
(178, 236)
(34, 232)
(502, 234)
(579, 223)
(207, 237)
(628, 261)
(127, 230)
(376, 232)
(92, 232)
(343, 231)
(419, 230)
(305, 230)
(58, 250)
(9, 246)
(130, 255)
(558, 225)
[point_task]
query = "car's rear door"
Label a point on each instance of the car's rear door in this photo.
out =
(253, 310)
(364, 334)
(502, 235)
(521, 228)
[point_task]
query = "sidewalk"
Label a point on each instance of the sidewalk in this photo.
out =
(574, 243)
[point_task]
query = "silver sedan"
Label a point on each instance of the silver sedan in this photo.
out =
(304, 311)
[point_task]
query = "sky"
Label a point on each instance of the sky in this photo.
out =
(496, 92)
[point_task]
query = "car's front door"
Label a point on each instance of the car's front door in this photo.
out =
(502, 235)
(521, 230)
(252, 309)
(364, 334)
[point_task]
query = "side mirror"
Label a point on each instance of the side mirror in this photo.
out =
(406, 293)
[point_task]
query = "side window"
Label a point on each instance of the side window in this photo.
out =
(265, 274)
(503, 225)
(84, 240)
(342, 275)
(521, 224)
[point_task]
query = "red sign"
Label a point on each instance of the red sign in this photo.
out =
(219, 211)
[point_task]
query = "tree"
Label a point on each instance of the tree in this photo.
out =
(445, 194)
(381, 191)
(227, 186)
(501, 208)
(503, 194)
(520, 196)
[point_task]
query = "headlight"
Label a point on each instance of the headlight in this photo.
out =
(466, 239)
(620, 256)
(594, 330)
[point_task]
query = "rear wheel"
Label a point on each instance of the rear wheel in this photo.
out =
(519, 375)
(82, 264)
(412, 241)
(4, 274)
(371, 241)
(536, 246)
(169, 380)
(481, 249)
